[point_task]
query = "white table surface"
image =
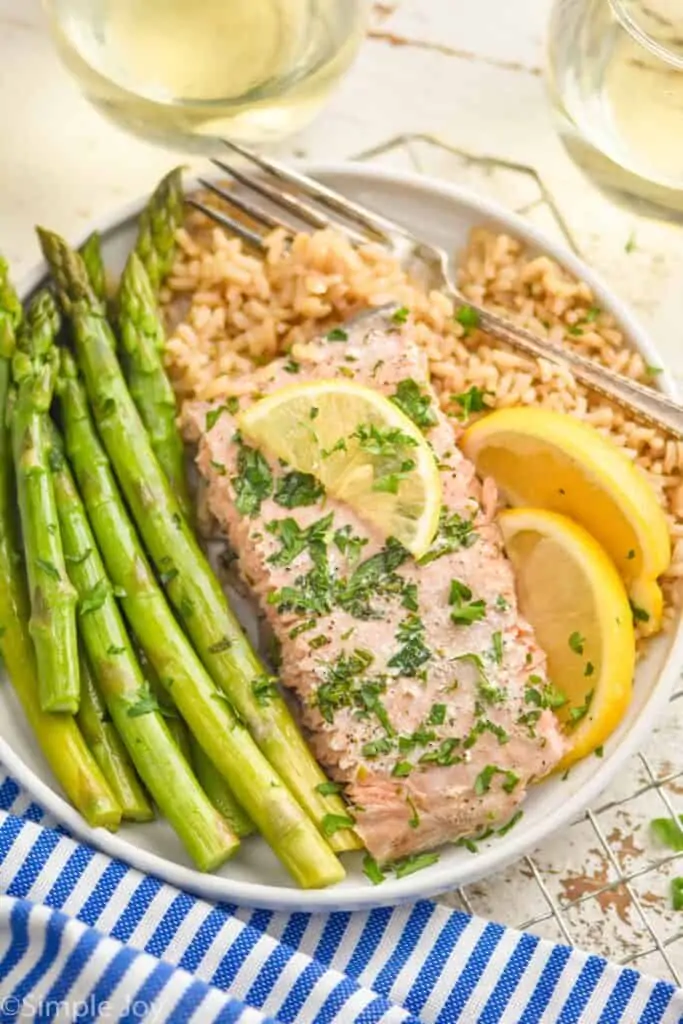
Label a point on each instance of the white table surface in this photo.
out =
(455, 89)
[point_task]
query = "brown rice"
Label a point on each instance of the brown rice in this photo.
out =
(239, 311)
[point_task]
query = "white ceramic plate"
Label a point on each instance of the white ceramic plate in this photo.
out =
(444, 214)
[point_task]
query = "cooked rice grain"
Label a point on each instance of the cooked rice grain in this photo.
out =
(233, 311)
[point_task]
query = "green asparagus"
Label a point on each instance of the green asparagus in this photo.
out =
(53, 599)
(142, 336)
(208, 713)
(167, 775)
(210, 779)
(219, 792)
(157, 226)
(58, 736)
(109, 751)
(189, 581)
(91, 251)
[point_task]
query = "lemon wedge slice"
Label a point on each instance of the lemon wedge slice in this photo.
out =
(361, 447)
(576, 602)
(549, 460)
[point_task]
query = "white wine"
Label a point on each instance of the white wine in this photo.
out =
(616, 75)
(191, 70)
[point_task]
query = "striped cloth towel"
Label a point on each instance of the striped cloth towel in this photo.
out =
(85, 938)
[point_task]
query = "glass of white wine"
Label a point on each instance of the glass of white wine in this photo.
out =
(185, 72)
(616, 80)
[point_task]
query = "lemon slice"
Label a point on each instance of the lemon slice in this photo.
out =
(543, 459)
(576, 602)
(361, 447)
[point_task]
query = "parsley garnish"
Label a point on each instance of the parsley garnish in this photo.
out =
(465, 610)
(253, 482)
(639, 614)
(95, 597)
(328, 788)
(372, 870)
(668, 832)
(501, 604)
(49, 568)
(498, 647)
(348, 544)
(417, 406)
(294, 540)
(401, 315)
(264, 689)
(343, 682)
(544, 695)
(576, 642)
(467, 317)
(414, 651)
(409, 599)
(454, 533)
(145, 703)
(295, 490)
(437, 714)
(473, 400)
(415, 862)
(338, 446)
(337, 334)
(444, 755)
(389, 447)
(319, 641)
(579, 713)
(231, 406)
(589, 669)
(375, 748)
(332, 823)
(677, 893)
(402, 769)
(483, 781)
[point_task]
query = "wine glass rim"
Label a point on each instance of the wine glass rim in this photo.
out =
(637, 32)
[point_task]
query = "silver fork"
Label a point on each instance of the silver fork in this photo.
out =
(331, 209)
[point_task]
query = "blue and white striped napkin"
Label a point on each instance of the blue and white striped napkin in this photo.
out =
(85, 938)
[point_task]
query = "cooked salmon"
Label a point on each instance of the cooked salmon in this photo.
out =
(421, 688)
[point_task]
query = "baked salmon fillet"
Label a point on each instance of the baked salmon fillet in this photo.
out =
(420, 687)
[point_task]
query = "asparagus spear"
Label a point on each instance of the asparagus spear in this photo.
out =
(53, 599)
(218, 791)
(135, 713)
(91, 251)
(58, 735)
(142, 337)
(208, 714)
(109, 751)
(189, 581)
(210, 779)
(157, 226)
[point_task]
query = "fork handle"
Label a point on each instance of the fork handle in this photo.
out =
(644, 403)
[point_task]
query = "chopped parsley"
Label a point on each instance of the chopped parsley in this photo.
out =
(497, 642)
(677, 893)
(543, 695)
(95, 597)
(668, 832)
(437, 714)
(264, 688)
(502, 605)
(338, 446)
(409, 598)
(465, 610)
(454, 533)
(444, 755)
(651, 371)
(319, 641)
(375, 748)
(415, 862)
(413, 652)
(224, 644)
(417, 405)
(402, 769)
(473, 400)
(639, 614)
(372, 870)
(599, 751)
(253, 482)
(467, 317)
(344, 682)
(401, 315)
(328, 788)
(576, 642)
(294, 540)
(483, 781)
(49, 568)
(297, 490)
(332, 823)
(145, 704)
(389, 447)
(231, 406)
(589, 669)
(504, 829)
(579, 713)
(348, 543)
(337, 334)
(291, 366)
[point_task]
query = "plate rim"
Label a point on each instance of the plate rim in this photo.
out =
(438, 878)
